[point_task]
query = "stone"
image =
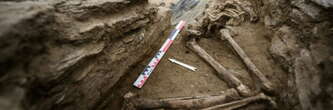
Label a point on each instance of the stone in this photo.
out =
(284, 44)
(325, 3)
(309, 9)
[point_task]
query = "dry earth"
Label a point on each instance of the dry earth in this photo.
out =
(85, 55)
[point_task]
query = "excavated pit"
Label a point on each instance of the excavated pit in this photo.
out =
(86, 54)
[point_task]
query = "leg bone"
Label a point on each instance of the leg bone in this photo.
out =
(243, 102)
(223, 73)
(266, 84)
(183, 103)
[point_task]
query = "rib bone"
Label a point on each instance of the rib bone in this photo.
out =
(223, 73)
(266, 84)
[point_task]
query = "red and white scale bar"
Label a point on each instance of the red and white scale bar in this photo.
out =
(157, 58)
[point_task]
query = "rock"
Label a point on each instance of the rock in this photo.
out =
(307, 79)
(18, 23)
(284, 44)
(325, 3)
(309, 9)
(298, 16)
(206, 75)
(129, 39)
(129, 95)
(192, 86)
(269, 22)
(302, 46)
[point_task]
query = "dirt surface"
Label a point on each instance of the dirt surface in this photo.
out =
(171, 80)
(86, 54)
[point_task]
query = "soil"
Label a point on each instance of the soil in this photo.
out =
(86, 55)
(171, 80)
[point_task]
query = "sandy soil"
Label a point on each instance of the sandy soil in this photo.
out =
(171, 80)
(86, 54)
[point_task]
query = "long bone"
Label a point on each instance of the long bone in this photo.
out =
(239, 103)
(266, 84)
(222, 72)
(196, 102)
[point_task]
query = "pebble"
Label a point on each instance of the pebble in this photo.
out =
(206, 75)
(192, 86)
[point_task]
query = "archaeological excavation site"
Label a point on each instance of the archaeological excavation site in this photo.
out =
(166, 54)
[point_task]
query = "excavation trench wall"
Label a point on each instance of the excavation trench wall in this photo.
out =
(301, 42)
(68, 55)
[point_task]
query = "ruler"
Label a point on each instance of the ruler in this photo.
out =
(158, 56)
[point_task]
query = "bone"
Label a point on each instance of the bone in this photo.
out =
(223, 73)
(266, 84)
(242, 102)
(183, 102)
